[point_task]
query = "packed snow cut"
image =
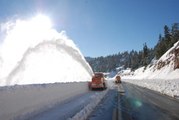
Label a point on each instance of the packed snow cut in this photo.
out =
(34, 53)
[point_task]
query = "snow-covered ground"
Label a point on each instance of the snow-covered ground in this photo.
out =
(26, 100)
(159, 76)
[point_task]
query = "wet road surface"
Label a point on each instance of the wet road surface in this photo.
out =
(143, 104)
(136, 103)
(104, 111)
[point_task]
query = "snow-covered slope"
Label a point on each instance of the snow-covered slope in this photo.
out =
(34, 53)
(162, 75)
(165, 68)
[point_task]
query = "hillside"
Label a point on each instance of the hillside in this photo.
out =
(132, 59)
(167, 67)
(161, 76)
(136, 59)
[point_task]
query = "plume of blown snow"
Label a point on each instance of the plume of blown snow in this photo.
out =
(32, 52)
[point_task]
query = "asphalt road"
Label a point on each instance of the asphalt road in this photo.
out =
(143, 104)
(104, 111)
(136, 103)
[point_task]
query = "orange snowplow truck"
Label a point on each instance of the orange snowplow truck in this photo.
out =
(118, 79)
(98, 81)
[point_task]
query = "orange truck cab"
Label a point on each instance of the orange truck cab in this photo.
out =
(98, 81)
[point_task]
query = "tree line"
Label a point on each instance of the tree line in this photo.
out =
(135, 59)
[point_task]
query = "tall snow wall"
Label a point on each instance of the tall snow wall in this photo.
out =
(23, 101)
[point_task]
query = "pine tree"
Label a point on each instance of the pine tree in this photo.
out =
(145, 55)
(175, 33)
(160, 47)
(167, 37)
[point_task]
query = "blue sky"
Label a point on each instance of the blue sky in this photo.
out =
(101, 27)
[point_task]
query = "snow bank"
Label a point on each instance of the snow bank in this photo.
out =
(161, 69)
(19, 102)
(34, 53)
(167, 87)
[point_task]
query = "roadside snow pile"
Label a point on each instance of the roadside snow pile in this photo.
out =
(162, 75)
(126, 73)
(86, 111)
(24, 101)
(167, 87)
(34, 53)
